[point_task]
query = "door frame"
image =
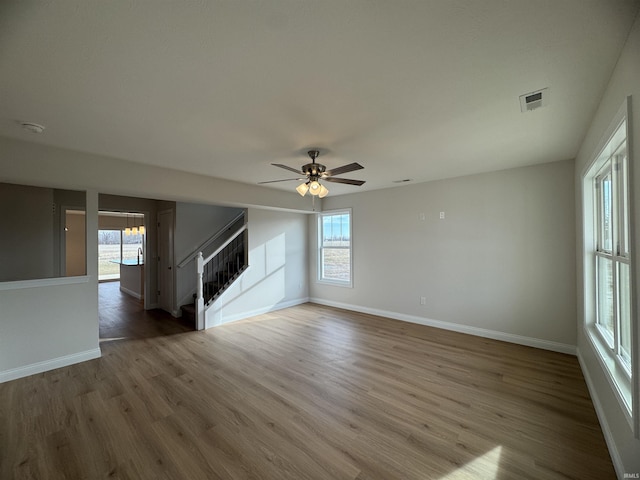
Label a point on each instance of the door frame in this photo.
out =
(171, 262)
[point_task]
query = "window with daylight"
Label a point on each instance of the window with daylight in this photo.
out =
(608, 302)
(334, 247)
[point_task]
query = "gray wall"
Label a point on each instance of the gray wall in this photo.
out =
(501, 263)
(32, 238)
(624, 81)
(26, 243)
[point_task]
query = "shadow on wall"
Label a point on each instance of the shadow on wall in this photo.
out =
(260, 289)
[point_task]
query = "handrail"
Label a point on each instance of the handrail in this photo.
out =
(208, 242)
(216, 279)
(229, 240)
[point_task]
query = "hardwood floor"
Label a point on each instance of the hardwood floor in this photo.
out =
(309, 392)
(124, 317)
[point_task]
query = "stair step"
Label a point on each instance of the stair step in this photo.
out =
(188, 315)
(188, 308)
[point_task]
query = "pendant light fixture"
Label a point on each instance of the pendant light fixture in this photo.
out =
(135, 229)
(127, 231)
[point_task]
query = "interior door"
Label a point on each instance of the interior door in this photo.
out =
(165, 260)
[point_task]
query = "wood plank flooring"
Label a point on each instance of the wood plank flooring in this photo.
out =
(122, 316)
(309, 392)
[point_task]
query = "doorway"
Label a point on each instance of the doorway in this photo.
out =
(121, 272)
(121, 250)
(126, 311)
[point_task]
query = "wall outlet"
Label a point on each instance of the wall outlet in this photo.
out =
(422, 216)
(441, 215)
(423, 300)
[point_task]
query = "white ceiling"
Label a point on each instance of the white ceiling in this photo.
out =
(409, 89)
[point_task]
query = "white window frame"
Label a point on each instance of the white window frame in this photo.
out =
(619, 371)
(613, 167)
(321, 247)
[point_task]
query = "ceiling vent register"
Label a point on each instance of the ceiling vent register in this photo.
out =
(531, 101)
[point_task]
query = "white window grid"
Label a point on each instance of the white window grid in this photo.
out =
(617, 251)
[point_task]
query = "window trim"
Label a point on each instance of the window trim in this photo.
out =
(319, 263)
(617, 373)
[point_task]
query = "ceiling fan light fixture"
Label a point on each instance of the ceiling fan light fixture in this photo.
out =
(314, 188)
(302, 189)
(315, 172)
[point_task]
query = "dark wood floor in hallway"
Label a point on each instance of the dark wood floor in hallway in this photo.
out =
(124, 317)
(309, 392)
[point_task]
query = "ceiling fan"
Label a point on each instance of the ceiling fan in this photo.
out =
(314, 172)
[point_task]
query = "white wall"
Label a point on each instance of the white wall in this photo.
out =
(34, 164)
(51, 323)
(625, 81)
(277, 274)
(195, 224)
(500, 264)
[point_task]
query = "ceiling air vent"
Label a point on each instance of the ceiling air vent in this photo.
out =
(533, 100)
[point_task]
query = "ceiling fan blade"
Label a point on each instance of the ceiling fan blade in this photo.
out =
(348, 181)
(299, 172)
(344, 169)
(283, 180)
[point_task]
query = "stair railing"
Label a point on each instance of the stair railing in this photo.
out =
(210, 240)
(218, 270)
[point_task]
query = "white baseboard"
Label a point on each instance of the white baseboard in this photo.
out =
(602, 418)
(46, 365)
(258, 311)
(131, 292)
(479, 332)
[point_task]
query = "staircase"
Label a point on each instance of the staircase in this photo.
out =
(222, 270)
(215, 274)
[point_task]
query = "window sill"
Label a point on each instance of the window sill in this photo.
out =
(43, 282)
(617, 377)
(335, 283)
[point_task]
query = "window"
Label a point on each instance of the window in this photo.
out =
(334, 247)
(612, 255)
(608, 301)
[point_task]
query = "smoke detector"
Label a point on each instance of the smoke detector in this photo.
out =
(32, 127)
(531, 101)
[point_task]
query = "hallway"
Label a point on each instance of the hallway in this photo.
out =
(124, 317)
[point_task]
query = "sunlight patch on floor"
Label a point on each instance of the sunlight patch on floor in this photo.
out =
(485, 467)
